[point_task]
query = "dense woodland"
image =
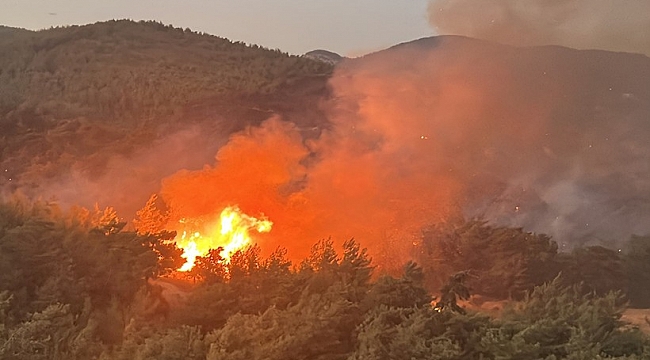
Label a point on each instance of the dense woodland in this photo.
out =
(81, 94)
(127, 69)
(75, 285)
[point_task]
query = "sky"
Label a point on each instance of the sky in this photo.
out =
(348, 27)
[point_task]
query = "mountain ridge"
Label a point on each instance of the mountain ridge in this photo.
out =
(124, 84)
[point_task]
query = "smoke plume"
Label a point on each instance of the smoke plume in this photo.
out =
(594, 24)
(108, 178)
(340, 186)
(549, 139)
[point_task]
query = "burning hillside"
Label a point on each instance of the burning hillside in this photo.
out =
(547, 138)
(460, 154)
(443, 128)
(307, 191)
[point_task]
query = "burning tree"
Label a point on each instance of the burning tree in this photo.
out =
(199, 237)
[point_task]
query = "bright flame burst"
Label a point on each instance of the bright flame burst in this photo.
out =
(231, 233)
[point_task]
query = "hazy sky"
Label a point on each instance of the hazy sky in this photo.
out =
(349, 27)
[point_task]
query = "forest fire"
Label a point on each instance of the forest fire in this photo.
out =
(231, 233)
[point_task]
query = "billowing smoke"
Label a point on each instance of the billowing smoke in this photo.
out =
(343, 185)
(550, 139)
(581, 24)
(547, 138)
(110, 178)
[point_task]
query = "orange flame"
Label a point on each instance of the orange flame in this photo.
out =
(230, 233)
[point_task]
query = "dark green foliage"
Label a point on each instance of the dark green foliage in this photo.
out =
(71, 98)
(62, 274)
(597, 268)
(405, 292)
(317, 327)
(421, 333)
(244, 263)
(150, 222)
(560, 321)
(252, 285)
(75, 286)
(322, 257)
(246, 285)
(553, 322)
(122, 68)
(454, 290)
(403, 333)
(355, 270)
(636, 260)
(168, 254)
(217, 302)
(506, 261)
(114, 269)
(45, 335)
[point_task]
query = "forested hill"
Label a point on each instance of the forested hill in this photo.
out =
(67, 92)
(127, 69)
(7, 32)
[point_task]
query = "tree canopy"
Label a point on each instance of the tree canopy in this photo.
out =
(76, 285)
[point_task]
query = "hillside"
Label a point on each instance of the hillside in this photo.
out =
(67, 93)
(550, 139)
(411, 190)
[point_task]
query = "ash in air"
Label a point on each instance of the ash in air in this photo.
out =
(547, 138)
(550, 139)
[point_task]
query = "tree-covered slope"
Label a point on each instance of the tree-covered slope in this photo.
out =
(75, 285)
(126, 69)
(77, 94)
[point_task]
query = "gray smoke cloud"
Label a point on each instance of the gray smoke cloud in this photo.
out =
(582, 24)
(550, 139)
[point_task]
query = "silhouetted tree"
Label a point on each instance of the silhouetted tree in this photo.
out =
(405, 292)
(210, 268)
(636, 261)
(454, 290)
(507, 261)
(597, 268)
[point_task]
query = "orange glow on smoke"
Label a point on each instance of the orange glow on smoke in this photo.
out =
(231, 232)
(331, 188)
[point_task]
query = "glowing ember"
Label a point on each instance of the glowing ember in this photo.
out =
(231, 233)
